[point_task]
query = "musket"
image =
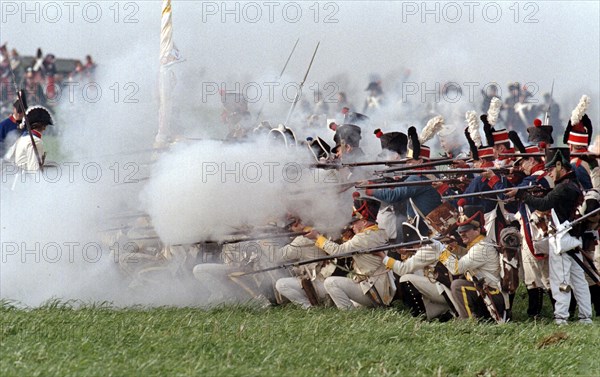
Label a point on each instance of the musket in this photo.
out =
(442, 161)
(301, 85)
(336, 256)
(248, 239)
(404, 184)
(491, 192)
(592, 155)
(452, 171)
(446, 161)
(484, 292)
(552, 230)
(27, 124)
(279, 77)
(586, 269)
(547, 116)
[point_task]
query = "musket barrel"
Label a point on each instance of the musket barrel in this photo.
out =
(404, 184)
(335, 256)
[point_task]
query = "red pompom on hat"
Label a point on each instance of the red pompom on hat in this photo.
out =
(462, 202)
(356, 194)
(378, 133)
(537, 122)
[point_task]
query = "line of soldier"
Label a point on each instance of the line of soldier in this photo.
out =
(479, 245)
(476, 246)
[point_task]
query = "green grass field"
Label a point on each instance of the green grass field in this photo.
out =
(57, 340)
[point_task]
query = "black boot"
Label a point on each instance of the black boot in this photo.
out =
(552, 300)
(595, 293)
(413, 299)
(572, 307)
(536, 297)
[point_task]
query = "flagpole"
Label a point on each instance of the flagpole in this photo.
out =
(166, 47)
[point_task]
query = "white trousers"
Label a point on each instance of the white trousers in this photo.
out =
(344, 290)
(291, 288)
(535, 271)
(563, 269)
(435, 303)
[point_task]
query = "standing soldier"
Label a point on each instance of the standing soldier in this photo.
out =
(565, 274)
(9, 127)
(533, 228)
(23, 153)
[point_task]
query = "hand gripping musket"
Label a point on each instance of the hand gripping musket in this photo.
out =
(336, 256)
(405, 184)
(484, 292)
(39, 158)
(573, 253)
(491, 192)
(287, 120)
(278, 78)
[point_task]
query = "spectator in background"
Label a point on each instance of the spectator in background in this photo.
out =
(90, 66)
(33, 88)
(490, 92)
(49, 68)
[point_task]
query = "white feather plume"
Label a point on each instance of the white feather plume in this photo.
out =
(581, 108)
(473, 127)
(434, 126)
(494, 110)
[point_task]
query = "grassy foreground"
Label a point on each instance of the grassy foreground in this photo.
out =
(283, 341)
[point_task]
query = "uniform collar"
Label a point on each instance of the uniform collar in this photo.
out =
(372, 227)
(478, 239)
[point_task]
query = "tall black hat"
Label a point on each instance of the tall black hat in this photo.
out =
(553, 155)
(365, 208)
(347, 133)
(17, 103)
(38, 116)
(283, 134)
(393, 141)
(471, 216)
(319, 148)
(355, 118)
(540, 133)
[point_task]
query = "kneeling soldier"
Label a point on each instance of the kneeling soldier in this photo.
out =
(480, 265)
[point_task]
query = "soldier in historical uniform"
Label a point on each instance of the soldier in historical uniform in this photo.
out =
(591, 242)
(421, 292)
(425, 198)
(22, 153)
(394, 146)
(480, 264)
(370, 284)
(236, 116)
(9, 127)
(307, 288)
(533, 226)
(578, 136)
(565, 274)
